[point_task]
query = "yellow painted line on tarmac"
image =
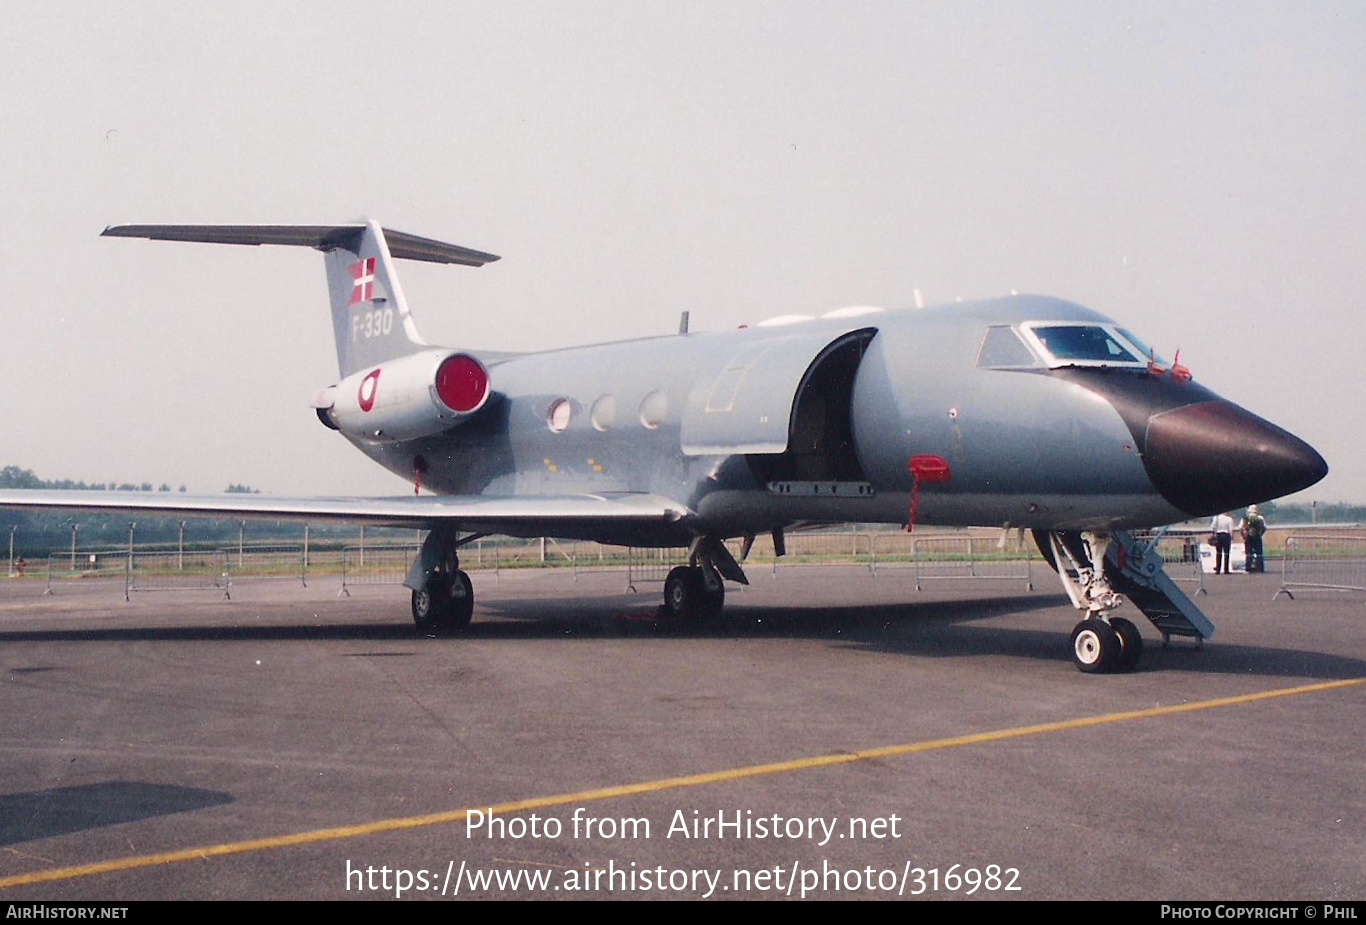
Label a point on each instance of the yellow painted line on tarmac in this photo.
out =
(623, 790)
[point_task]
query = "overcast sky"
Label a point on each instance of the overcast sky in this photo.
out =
(1197, 171)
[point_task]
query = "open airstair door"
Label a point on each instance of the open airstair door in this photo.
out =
(785, 402)
(1135, 570)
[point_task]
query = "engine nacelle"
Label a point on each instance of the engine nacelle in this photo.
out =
(406, 398)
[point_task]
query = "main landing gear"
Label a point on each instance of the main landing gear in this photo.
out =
(689, 595)
(444, 604)
(443, 597)
(696, 591)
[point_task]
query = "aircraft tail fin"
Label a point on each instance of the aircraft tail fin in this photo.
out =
(370, 316)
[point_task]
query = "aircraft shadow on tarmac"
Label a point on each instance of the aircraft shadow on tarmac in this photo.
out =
(926, 629)
(64, 810)
(939, 629)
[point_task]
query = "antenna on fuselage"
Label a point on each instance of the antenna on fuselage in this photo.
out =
(683, 323)
(919, 299)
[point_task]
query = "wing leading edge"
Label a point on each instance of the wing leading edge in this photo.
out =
(546, 515)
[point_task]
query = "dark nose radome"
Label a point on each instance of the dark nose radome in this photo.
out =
(1213, 456)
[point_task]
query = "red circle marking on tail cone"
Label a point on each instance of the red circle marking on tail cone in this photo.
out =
(366, 394)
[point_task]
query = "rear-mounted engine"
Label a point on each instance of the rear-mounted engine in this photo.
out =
(406, 398)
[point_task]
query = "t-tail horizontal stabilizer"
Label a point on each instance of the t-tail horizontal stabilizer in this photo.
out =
(370, 316)
(402, 245)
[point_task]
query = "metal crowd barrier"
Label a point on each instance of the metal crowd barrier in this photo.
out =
(142, 569)
(817, 548)
(86, 565)
(928, 556)
(590, 558)
(1336, 563)
(248, 562)
(956, 557)
(178, 570)
(645, 565)
(375, 565)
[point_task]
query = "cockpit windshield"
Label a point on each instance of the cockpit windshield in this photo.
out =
(1071, 344)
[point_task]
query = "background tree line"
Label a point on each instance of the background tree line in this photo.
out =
(39, 533)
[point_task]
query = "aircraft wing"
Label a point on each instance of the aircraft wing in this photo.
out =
(543, 515)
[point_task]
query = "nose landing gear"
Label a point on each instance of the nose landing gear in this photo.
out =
(1104, 645)
(1088, 564)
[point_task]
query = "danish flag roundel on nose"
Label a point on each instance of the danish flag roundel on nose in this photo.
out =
(366, 394)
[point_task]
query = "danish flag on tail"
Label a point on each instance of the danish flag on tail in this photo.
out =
(363, 274)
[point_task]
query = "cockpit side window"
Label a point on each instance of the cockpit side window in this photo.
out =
(1002, 348)
(1066, 344)
(1143, 348)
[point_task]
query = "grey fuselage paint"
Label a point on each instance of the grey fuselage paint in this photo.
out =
(704, 419)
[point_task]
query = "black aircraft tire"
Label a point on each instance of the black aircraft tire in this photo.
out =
(684, 593)
(713, 602)
(427, 605)
(461, 609)
(1130, 642)
(1095, 646)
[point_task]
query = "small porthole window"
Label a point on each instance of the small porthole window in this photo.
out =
(604, 413)
(653, 408)
(559, 414)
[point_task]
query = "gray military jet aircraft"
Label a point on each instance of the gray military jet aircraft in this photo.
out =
(1025, 411)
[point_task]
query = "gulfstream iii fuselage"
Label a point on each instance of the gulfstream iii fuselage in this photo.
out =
(1027, 411)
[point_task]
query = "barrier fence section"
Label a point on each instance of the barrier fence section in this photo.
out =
(817, 548)
(375, 565)
(142, 568)
(645, 565)
(930, 556)
(86, 565)
(587, 558)
(956, 557)
(178, 570)
(498, 554)
(1336, 563)
(249, 562)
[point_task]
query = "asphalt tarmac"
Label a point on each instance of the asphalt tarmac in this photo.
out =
(834, 735)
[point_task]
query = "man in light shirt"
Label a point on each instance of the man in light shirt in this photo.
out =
(1222, 540)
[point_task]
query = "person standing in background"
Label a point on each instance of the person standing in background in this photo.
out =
(1252, 527)
(1221, 528)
